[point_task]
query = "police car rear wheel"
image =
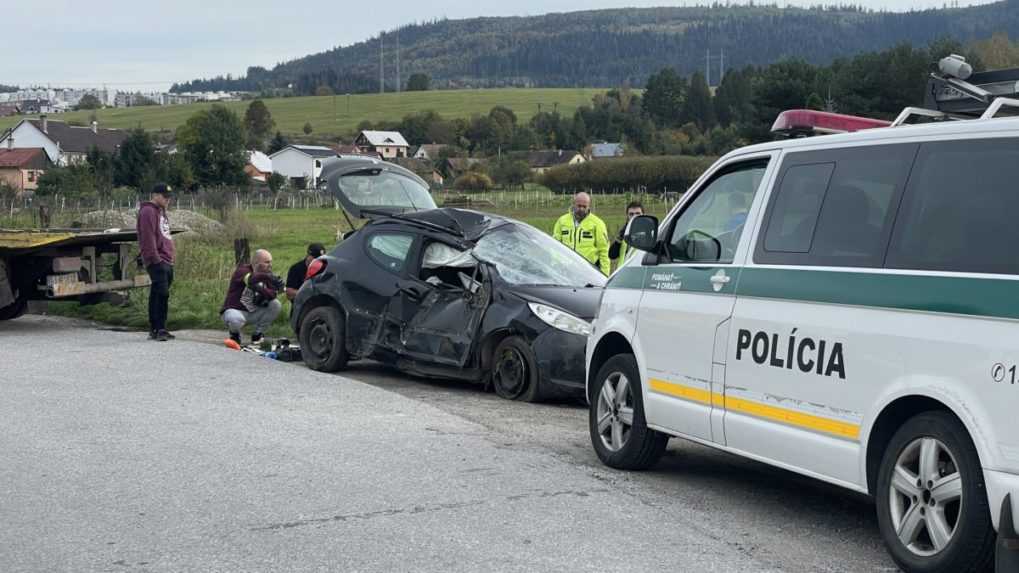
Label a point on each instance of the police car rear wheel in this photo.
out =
(618, 428)
(932, 504)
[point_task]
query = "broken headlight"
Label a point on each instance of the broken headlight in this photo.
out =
(559, 319)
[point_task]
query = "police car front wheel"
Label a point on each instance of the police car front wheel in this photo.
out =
(931, 500)
(618, 428)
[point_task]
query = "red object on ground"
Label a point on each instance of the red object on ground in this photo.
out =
(232, 344)
(810, 122)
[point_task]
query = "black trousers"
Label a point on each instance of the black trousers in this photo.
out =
(159, 295)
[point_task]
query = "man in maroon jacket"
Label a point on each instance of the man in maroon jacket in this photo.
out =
(251, 297)
(158, 255)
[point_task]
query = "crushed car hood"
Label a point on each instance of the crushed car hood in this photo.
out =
(580, 302)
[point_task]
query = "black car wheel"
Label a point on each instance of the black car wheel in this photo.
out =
(322, 343)
(932, 506)
(616, 419)
(15, 309)
(514, 371)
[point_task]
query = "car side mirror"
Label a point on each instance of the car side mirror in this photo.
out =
(642, 233)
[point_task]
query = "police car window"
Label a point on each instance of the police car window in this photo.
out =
(836, 207)
(958, 213)
(709, 228)
(390, 250)
(797, 207)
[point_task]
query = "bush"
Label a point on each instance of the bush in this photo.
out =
(675, 173)
(473, 181)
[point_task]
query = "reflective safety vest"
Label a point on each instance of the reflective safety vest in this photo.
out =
(590, 238)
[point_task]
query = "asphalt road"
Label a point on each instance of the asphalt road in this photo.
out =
(120, 454)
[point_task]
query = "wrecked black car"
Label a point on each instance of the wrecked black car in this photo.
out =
(444, 292)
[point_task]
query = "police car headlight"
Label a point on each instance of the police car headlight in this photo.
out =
(562, 320)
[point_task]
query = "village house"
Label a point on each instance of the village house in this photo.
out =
(388, 144)
(259, 166)
(429, 151)
(64, 144)
(343, 149)
(542, 161)
(453, 167)
(21, 168)
(301, 164)
(422, 168)
(606, 150)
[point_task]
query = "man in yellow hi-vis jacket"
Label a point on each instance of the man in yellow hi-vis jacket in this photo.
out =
(584, 232)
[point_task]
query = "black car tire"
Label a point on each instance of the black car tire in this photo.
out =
(971, 544)
(642, 447)
(15, 309)
(323, 346)
(515, 371)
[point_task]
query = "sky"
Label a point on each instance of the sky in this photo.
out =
(139, 45)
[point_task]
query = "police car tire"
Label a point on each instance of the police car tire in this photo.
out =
(645, 446)
(331, 318)
(971, 548)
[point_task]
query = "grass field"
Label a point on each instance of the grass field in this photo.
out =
(205, 264)
(339, 115)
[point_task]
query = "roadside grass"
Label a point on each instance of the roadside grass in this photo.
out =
(205, 263)
(330, 116)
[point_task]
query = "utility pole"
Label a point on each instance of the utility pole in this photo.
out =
(721, 67)
(399, 86)
(707, 68)
(382, 68)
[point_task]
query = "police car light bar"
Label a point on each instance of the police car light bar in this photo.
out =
(802, 122)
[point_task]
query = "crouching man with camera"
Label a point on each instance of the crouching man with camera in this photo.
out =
(251, 297)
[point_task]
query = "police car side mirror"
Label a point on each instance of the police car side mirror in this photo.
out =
(642, 233)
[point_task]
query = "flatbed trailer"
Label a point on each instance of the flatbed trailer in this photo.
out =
(64, 264)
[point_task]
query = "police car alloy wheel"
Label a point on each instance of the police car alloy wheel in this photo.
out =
(618, 428)
(932, 504)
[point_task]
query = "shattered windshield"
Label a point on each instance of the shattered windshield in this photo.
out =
(384, 189)
(524, 255)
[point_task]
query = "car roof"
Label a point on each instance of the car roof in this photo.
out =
(882, 135)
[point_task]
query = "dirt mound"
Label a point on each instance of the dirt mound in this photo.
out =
(179, 219)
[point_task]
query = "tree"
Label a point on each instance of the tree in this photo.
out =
(419, 83)
(473, 181)
(212, 140)
(276, 182)
(307, 128)
(103, 166)
(278, 142)
(75, 181)
(698, 107)
(511, 173)
(135, 164)
(664, 98)
(259, 124)
(89, 101)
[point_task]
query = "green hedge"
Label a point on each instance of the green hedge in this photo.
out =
(670, 173)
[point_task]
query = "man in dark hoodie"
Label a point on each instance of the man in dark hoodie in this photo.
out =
(251, 297)
(158, 254)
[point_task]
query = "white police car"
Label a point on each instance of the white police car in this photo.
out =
(845, 307)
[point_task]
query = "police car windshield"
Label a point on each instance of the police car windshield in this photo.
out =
(524, 255)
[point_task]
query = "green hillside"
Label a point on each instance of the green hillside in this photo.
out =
(329, 116)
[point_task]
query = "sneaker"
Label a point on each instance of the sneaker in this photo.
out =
(164, 335)
(256, 338)
(236, 337)
(152, 335)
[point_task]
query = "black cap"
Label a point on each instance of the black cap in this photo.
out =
(162, 189)
(316, 249)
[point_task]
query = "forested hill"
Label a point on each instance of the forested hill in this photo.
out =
(613, 47)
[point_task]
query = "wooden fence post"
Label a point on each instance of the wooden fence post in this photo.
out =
(242, 251)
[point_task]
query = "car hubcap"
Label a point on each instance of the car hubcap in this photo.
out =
(321, 339)
(925, 497)
(511, 372)
(615, 412)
